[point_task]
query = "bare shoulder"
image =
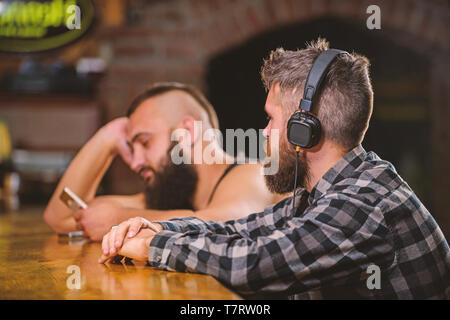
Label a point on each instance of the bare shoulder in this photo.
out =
(245, 182)
(245, 174)
(249, 169)
(242, 191)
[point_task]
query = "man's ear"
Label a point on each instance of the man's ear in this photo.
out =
(188, 123)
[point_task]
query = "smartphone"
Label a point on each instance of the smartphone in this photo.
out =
(74, 202)
(76, 237)
(71, 200)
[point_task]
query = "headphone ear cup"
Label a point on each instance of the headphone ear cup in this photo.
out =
(304, 130)
(316, 130)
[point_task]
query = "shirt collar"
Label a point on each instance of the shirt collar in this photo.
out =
(342, 169)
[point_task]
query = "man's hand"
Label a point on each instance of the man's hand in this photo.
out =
(98, 218)
(135, 248)
(130, 239)
(117, 131)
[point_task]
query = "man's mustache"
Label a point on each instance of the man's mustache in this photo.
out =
(144, 169)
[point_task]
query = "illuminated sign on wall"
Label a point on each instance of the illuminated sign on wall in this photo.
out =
(30, 26)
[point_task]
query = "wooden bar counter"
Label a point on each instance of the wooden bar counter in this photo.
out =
(34, 264)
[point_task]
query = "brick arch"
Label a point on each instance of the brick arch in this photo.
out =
(175, 39)
(423, 23)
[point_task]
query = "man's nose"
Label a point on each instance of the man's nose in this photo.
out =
(137, 161)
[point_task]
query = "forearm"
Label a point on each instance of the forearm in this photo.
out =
(241, 263)
(175, 220)
(181, 217)
(136, 201)
(83, 177)
(251, 226)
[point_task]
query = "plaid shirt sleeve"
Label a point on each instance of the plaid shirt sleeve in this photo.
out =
(253, 225)
(277, 252)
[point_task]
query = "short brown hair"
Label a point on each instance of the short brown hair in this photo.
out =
(163, 87)
(345, 101)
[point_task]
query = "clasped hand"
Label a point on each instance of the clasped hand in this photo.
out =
(129, 239)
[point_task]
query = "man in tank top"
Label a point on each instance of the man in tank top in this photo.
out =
(220, 190)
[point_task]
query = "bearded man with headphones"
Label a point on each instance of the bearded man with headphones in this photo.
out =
(350, 212)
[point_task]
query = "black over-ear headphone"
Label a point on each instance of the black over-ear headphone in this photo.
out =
(304, 129)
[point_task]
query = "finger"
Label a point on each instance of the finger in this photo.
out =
(149, 225)
(153, 227)
(105, 244)
(120, 234)
(125, 151)
(135, 226)
(112, 235)
(103, 259)
(78, 214)
(113, 259)
(79, 226)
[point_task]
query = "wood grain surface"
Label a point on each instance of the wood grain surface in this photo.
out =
(34, 264)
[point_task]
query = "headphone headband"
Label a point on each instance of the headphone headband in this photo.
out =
(304, 129)
(316, 75)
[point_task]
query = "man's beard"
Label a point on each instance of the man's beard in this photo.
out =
(283, 180)
(172, 188)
